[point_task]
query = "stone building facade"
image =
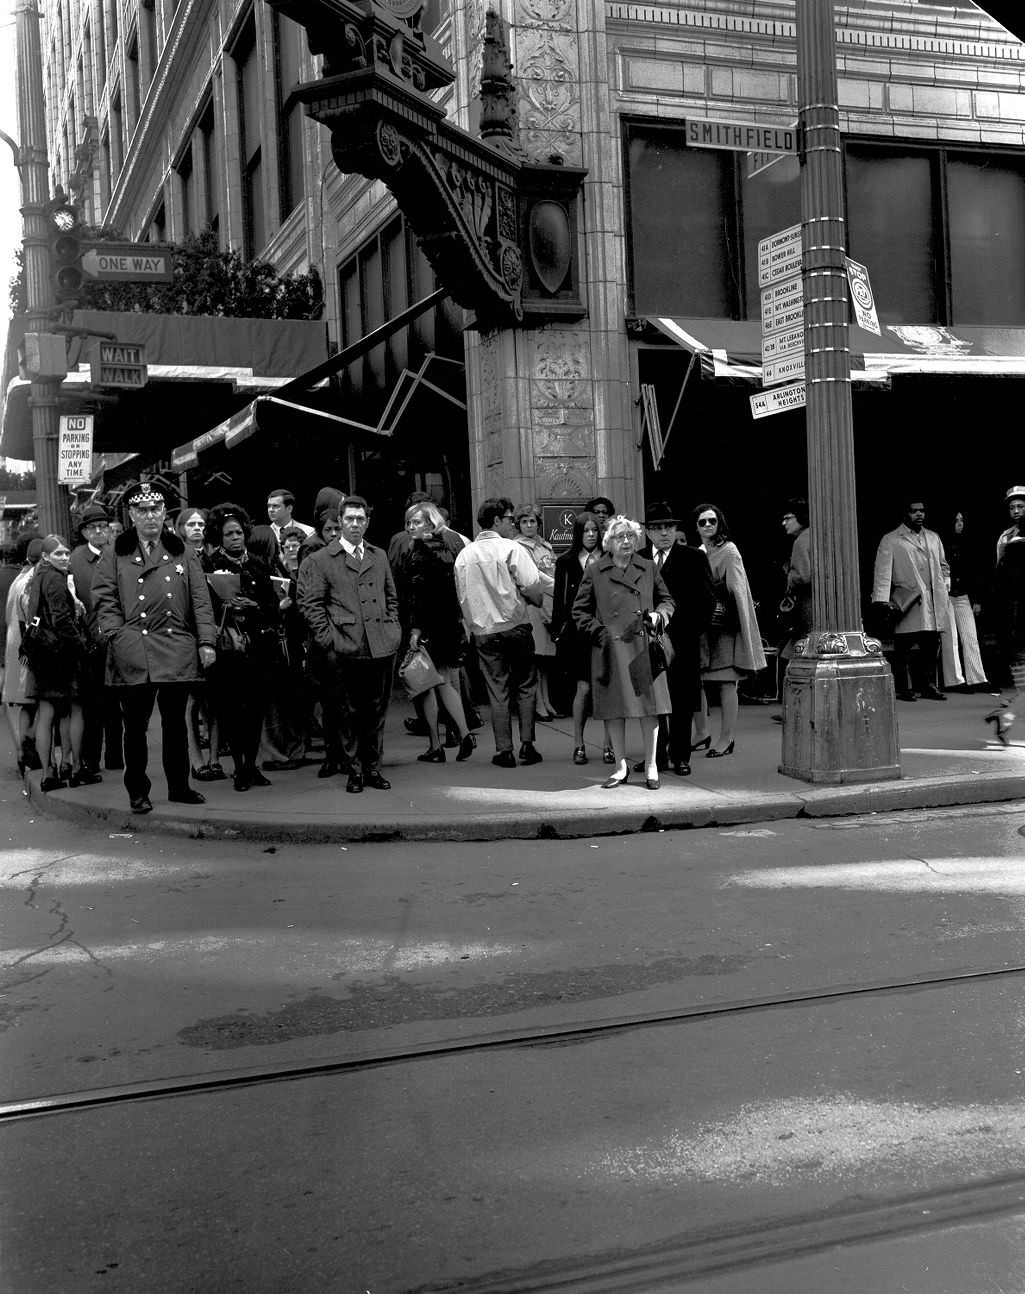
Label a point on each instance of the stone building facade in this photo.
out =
(168, 119)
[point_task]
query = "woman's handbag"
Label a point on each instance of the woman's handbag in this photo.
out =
(40, 645)
(417, 672)
(724, 617)
(230, 640)
(660, 653)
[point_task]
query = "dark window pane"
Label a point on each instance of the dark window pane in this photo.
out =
(987, 241)
(771, 202)
(679, 226)
(890, 230)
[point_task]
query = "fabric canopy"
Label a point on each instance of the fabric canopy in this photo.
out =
(730, 349)
(264, 411)
(196, 366)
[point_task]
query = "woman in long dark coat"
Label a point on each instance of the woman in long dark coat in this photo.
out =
(1009, 608)
(61, 674)
(433, 618)
(621, 600)
(572, 648)
(239, 680)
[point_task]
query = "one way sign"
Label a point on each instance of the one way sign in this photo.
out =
(128, 263)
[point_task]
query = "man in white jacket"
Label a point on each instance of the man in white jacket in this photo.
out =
(495, 578)
(911, 578)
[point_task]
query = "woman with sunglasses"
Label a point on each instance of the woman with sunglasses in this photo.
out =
(731, 647)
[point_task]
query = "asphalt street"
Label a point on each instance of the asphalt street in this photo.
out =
(646, 1156)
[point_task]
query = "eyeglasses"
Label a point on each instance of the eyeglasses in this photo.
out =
(789, 517)
(707, 521)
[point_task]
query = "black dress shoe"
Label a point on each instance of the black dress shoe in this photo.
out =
(378, 782)
(142, 804)
(681, 768)
(504, 759)
(328, 769)
(933, 694)
(187, 797)
(84, 777)
(355, 784)
(52, 784)
(529, 754)
(906, 695)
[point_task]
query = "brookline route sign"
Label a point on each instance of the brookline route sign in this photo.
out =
(128, 263)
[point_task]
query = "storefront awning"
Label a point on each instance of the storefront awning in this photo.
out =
(198, 369)
(265, 412)
(730, 349)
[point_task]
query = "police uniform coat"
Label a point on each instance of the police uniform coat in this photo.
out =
(350, 606)
(152, 611)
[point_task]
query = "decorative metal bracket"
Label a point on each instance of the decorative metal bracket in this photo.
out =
(500, 232)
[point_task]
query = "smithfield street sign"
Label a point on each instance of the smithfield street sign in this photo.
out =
(128, 263)
(741, 136)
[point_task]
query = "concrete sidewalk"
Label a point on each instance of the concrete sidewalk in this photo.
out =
(948, 758)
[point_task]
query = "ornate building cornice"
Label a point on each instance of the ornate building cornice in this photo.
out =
(499, 230)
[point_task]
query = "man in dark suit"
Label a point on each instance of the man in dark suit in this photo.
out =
(101, 712)
(153, 611)
(349, 600)
(688, 578)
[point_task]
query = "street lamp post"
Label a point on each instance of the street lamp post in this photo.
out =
(839, 723)
(44, 396)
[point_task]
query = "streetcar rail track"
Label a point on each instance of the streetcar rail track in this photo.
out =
(665, 1264)
(559, 1034)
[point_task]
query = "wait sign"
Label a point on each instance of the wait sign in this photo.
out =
(75, 449)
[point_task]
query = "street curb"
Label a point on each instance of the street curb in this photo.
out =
(829, 802)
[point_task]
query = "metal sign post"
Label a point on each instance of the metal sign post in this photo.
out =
(839, 724)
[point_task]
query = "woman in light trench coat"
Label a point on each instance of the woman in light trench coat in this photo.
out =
(621, 599)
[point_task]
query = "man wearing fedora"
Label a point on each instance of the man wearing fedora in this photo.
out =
(101, 714)
(153, 611)
(688, 578)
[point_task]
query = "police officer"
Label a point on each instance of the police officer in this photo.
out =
(153, 609)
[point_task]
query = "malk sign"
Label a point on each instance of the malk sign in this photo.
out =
(75, 449)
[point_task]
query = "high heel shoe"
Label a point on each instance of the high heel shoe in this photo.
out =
(466, 748)
(436, 755)
(652, 783)
(203, 774)
(703, 744)
(52, 784)
(607, 756)
(720, 754)
(579, 755)
(615, 781)
(1002, 721)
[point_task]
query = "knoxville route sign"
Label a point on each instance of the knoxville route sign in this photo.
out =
(128, 263)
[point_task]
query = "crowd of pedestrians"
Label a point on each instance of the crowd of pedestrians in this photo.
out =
(257, 641)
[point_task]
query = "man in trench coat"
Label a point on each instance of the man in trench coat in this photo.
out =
(153, 611)
(349, 600)
(911, 578)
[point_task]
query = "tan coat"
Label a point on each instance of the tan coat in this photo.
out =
(896, 573)
(606, 610)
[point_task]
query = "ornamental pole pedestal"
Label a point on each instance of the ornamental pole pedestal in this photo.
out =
(839, 723)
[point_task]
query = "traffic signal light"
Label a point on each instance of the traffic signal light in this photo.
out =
(65, 251)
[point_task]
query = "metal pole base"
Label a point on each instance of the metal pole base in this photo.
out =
(839, 724)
